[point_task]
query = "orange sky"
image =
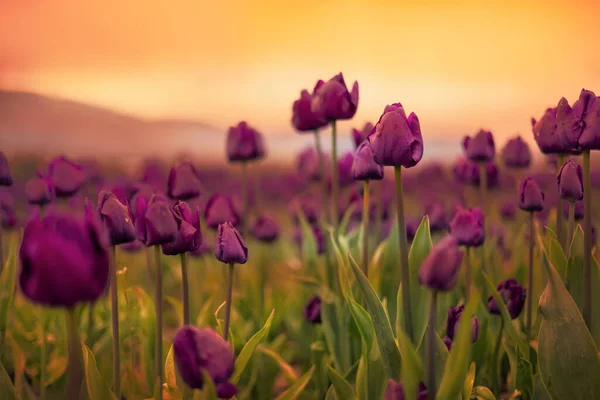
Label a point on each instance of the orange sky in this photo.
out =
(459, 66)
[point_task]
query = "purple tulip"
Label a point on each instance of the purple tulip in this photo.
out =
(5, 175)
(480, 147)
(531, 197)
(411, 228)
(66, 177)
(265, 229)
(154, 221)
(439, 270)
(188, 236)
(244, 143)
(454, 314)
(570, 181)
(397, 140)
(361, 135)
(345, 176)
(220, 209)
(512, 294)
(364, 167)
(508, 210)
(184, 183)
(64, 260)
(395, 391)
(467, 226)
(197, 351)
(308, 206)
(307, 165)
(580, 124)
(547, 136)
(303, 118)
(154, 173)
(579, 210)
(468, 173)
(448, 342)
(8, 217)
(516, 153)
(39, 191)
(332, 100)
(437, 216)
(590, 135)
(312, 310)
(229, 245)
(116, 219)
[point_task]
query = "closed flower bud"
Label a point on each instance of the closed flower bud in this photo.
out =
(590, 135)
(570, 181)
(202, 351)
(184, 183)
(332, 100)
(303, 118)
(508, 210)
(219, 209)
(39, 191)
(467, 226)
(312, 310)
(579, 210)
(66, 177)
(154, 221)
(364, 167)
(454, 314)
(360, 135)
(397, 140)
(512, 294)
(516, 153)
(5, 175)
(64, 260)
(188, 236)
(244, 143)
(265, 229)
(480, 147)
(229, 245)
(307, 165)
(531, 197)
(116, 219)
(440, 268)
(395, 391)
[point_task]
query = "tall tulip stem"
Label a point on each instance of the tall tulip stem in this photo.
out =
(560, 219)
(483, 184)
(570, 229)
(114, 304)
(75, 371)
(496, 354)
(158, 350)
(403, 244)
(185, 289)
(587, 243)
(467, 272)
(431, 347)
(334, 179)
(228, 303)
(530, 276)
(365, 237)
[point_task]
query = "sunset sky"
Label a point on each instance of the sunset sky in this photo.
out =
(459, 65)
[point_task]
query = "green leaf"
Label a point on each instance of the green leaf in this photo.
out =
(383, 330)
(309, 245)
(7, 285)
(457, 366)
(482, 393)
(287, 369)
(170, 369)
(6, 387)
(177, 306)
(468, 387)
(557, 257)
(568, 359)
(242, 360)
(342, 388)
(524, 376)
(97, 388)
(412, 366)
(294, 390)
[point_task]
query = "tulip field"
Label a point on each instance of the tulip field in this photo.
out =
(376, 274)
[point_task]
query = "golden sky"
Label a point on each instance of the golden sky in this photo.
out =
(459, 65)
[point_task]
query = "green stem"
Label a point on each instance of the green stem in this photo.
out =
(334, 179)
(530, 277)
(185, 287)
(378, 213)
(75, 371)
(483, 184)
(587, 248)
(43, 358)
(431, 347)
(570, 228)
(262, 277)
(560, 218)
(114, 300)
(245, 198)
(158, 350)
(403, 244)
(365, 238)
(228, 304)
(467, 273)
(324, 182)
(495, 360)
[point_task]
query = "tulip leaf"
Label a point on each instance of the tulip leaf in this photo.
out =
(97, 388)
(294, 390)
(568, 359)
(457, 366)
(6, 386)
(468, 386)
(287, 369)
(177, 306)
(170, 370)
(7, 286)
(242, 360)
(343, 389)
(147, 326)
(412, 366)
(482, 393)
(309, 244)
(383, 330)
(557, 257)
(524, 381)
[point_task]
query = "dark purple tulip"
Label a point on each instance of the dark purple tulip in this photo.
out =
(312, 310)
(332, 100)
(5, 175)
(397, 140)
(395, 391)
(480, 147)
(411, 228)
(574, 123)
(197, 351)
(184, 183)
(468, 172)
(531, 197)
(303, 118)
(437, 216)
(512, 294)
(229, 245)
(116, 219)
(345, 176)
(547, 135)
(448, 342)
(516, 153)
(265, 229)
(219, 209)
(578, 212)
(590, 135)
(189, 236)
(154, 173)
(454, 314)
(467, 226)
(39, 191)
(364, 167)
(361, 135)
(244, 143)
(66, 177)
(508, 210)
(307, 165)
(154, 221)
(440, 269)
(570, 181)
(308, 206)
(64, 260)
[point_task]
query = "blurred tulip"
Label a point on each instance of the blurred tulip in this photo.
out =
(188, 236)
(312, 310)
(154, 221)
(531, 197)
(364, 167)
(229, 245)
(454, 314)
(244, 143)
(512, 294)
(219, 209)
(480, 147)
(508, 210)
(411, 228)
(395, 391)
(66, 177)
(132, 247)
(265, 229)
(303, 118)
(39, 191)
(440, 268)
(359, 136)
(332, 100)
(437, 216)
(307, 165)
(468, 226)
(184, 183)
(5, 175)
(308, 206)
(570, 181)
(345, 176)
(116, 219)
(579, 210)
(516, 153)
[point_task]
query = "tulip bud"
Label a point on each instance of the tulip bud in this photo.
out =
(229, 245)
(66, 177)
(39, 191)
(312, 311)
(361, 135)
(570, 181)
(579, 210)
(439, 270)
(531, 197)
(307, 165)
(116, 219)
(508, 210)
(184, 183)
(468, 226)
(436, 213)
(395, 391)
(345, 176)
(188, 236)
(219, 209)
(480, 147)
(590, 135)
(303, 118)
(244, 143)
(512, 294)
(265, 229)
(197, 351)
(516, 153)
(332, 100)
(154, 221)
(5, 175)
(364, 167)
(454, 314)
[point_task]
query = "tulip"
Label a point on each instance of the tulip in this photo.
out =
(312, 311)
(364, 167)
(154, 173)
(66, 177)
(5, 175)
(201, 351)
(578, 210)
(454, 314)
(547, 136)
(570, 181)
(307, 165)
(244, 143)
(395, 391)
(303, 117)
(437, 216)
(516, 153)
(265, 229)
(184, 182)
(132, 247)
(361, 135)
(508, 210)
(345, 174)
(318, 237)
(440, 268)
(219, 209)
(480, 148)
(308, 206)
(39, 191)
(333, 101)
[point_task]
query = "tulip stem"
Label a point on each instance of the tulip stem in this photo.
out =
(245, 198)
(334, 180)
(114, 303)
(570, 229)
(43, 357)
(228, 303)
(483, 184)
(365, 237)
(185, 287)
(431, 347)
(495, 360)
(587, 243)
(467, 272)
(404, 272)
(158, 350)
(560, 219)
(379, 210)
(75, 372)
(321, 156)
(530, 276)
